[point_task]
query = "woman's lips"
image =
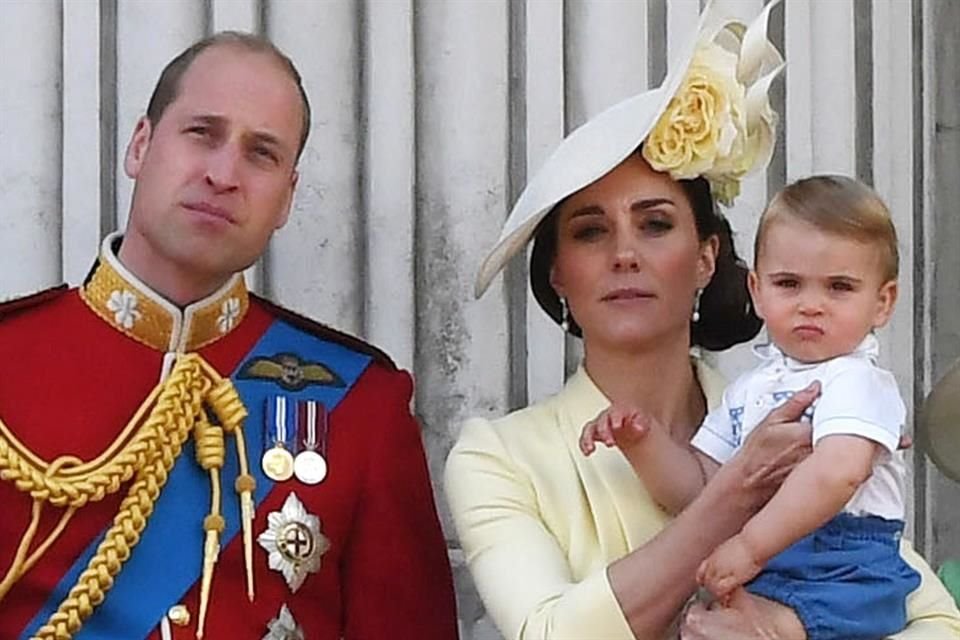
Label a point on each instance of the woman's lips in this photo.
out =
(626, 295)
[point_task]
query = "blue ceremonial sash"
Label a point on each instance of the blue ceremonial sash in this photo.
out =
(168, 560)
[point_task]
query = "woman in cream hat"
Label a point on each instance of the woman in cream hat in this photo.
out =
(630, 253)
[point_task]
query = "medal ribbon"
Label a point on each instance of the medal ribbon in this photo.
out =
(316, 415)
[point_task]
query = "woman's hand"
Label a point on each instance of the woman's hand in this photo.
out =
(773, 449)
(745, 617)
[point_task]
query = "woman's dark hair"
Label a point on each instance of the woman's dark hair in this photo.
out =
(727, 316)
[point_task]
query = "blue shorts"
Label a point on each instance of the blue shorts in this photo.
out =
(845, 581)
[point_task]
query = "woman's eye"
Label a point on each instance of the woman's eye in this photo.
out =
(657, 225)
(588, 232)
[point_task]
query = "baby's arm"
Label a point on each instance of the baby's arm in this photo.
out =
(672, 472)
(811, 495)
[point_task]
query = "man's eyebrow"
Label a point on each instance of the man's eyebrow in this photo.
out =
(267, 138)
(207, 119)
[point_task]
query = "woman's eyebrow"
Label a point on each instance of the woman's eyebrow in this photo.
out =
(650, 203)
(587, 210)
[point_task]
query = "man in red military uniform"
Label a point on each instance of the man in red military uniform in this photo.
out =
(180, 458)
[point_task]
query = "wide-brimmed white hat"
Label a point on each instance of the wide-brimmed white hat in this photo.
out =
(711, 117)
(938, 424)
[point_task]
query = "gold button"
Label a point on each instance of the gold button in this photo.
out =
(179, 615)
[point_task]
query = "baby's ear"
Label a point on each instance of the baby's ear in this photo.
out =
(886, 300)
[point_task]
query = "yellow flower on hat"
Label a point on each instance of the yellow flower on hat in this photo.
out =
(703, 120)
(719, 123)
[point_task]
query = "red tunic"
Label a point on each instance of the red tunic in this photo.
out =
(71, 378)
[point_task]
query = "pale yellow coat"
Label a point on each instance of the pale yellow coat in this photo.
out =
(540, 522)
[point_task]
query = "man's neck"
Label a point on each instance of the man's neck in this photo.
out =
(177, 285)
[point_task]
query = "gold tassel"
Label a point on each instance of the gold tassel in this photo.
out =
(227, 406)
(210, 454)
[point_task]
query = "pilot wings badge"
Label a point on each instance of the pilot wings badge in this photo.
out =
(290, 372)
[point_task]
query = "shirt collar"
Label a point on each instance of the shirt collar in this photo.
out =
(869, 349)
(131, 307)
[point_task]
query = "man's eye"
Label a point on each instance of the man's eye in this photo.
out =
(265, 153)
(841, 286)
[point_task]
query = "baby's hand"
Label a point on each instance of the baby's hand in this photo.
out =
(731, 565)
(615, 427)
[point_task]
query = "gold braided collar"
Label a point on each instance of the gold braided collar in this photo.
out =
(131, 307)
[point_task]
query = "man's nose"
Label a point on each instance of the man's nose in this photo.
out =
(223, 167)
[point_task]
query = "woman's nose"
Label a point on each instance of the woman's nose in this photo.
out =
(626, 256)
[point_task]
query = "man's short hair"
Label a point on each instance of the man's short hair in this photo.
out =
(168, 86)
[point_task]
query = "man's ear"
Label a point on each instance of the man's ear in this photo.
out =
(753, 285)
(886, 299)
(285, 213)
(137, 148)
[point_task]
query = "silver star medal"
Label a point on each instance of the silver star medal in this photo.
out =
(294, 542)
(284, 627)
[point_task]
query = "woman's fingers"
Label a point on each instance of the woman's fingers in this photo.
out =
(778, 464)
(743, 617)
(792, 410)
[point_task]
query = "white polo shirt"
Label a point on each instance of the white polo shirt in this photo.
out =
(857, 398)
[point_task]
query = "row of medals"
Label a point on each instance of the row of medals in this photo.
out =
(296, 543)
(289, 422)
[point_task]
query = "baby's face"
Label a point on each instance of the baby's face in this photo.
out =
(819, 293)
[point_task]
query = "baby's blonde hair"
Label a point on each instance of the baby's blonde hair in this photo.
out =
(837, 205)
